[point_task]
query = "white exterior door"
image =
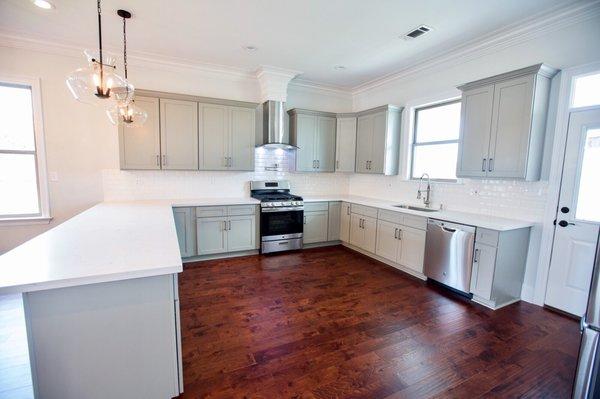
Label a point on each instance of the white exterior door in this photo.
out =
(578, 216)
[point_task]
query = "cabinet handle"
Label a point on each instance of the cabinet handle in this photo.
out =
(304, 219)
(224, 225)
(491, 164)
(483, 164)
(318, 164)
(164, 160)
(399, 234)
(396, 233)
(158, 160)
(348, 210)
(476, 256)
(337, 164)
(229, 223)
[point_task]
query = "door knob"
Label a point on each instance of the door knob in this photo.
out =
(564, 223)
(564, 209)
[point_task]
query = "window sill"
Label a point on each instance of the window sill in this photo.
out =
(24, 221)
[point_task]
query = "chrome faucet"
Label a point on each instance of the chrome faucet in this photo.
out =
(427, 199)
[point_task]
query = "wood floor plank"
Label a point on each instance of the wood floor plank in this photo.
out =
(332, 323)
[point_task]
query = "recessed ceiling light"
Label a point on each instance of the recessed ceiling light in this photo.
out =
(339, 67)
(250, 48)
(46, 5)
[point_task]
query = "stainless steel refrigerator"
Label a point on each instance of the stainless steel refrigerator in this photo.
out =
(587, 381)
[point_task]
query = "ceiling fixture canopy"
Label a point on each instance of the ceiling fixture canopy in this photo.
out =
(99, 80)
(126, 112)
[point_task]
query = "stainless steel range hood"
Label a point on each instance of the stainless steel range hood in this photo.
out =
(274, 132)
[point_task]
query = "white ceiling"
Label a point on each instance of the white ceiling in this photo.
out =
(310, 35)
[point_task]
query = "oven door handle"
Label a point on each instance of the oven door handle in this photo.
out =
(283, 209)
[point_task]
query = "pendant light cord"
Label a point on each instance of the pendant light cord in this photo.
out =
(125, 46)
(100, 42)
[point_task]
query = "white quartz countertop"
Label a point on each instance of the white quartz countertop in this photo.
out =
(484, 221)
(121, 240)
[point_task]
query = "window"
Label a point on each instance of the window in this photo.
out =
(435, 141)
(22, 163)
(586, 91)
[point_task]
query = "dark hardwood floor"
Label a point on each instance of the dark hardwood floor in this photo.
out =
(331, 323)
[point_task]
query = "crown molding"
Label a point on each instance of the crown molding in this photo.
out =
(322, 88)
(274, 82)
(508, 36)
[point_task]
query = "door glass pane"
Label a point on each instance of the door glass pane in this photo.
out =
(437, 160)
(18, 185)
(586, 91)
(588, 196)
(16, 118)
(438, 123)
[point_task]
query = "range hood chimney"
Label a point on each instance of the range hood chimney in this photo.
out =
(273, 86)
(274, 133)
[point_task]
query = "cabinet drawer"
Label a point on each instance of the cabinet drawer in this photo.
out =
(364, 210)
(211, 211)
(485, 236)
(316, 206)
(415, 221)
(390, 216)
(240, 210)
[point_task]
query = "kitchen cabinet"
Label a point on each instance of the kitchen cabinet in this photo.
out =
(227, 137)
(315, 226)
(186, 231)
(333, 229)
(222, 229)
(378, 140)
(179, 134)
(345, 222)
(363, 232)
(401, 244)
(314, 133)
(345, 144)
(484, 262)
(139, 147)
(503, 124)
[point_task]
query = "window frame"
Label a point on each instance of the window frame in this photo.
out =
(43, 216)
(414, 142)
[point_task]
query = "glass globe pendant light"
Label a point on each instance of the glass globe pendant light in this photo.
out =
(127, 113)
(99, 80)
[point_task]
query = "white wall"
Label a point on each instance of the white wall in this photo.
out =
(82, 146)
(572, 45)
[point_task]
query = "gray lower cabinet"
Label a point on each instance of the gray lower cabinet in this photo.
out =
(503, 124)
(315, 226)
(345, 222)
(222, 229)
(363, 232)
(322, 222)
(179, 134)
(314, 133)
(498, 266)
(139, 147)
(185, 219)
(378, 140)
(401, 244)
(333, 230)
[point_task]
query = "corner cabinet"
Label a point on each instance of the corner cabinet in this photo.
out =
(503, 124)
(378, 140)
(313, 132)
(139, 147)
(345, 144)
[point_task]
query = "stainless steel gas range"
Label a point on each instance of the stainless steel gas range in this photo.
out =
(281, 216)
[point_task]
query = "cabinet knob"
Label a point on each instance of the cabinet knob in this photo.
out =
(564, 223)
(564, 209)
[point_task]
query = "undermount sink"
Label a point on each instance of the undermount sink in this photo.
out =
(415, 208)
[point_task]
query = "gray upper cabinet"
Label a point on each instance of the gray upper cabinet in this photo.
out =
(139, 147)
(179, 134)
(345, 144)
(503, 124)
(227, 137)
(378, 140)
(314, 134)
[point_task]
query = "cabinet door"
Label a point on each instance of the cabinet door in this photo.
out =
(306, 131)
(241, 233)
(243, 138)
(412, 248)
(179, 134)
(345, 222)
(378, 152)
(511, 126)
(345, 144)
(387, 240)
(475, 129)
(333, 226)
(325, 144)
(364, 143)
(315, 226)
(482, 277)
(214, 137)
(184, 220)
(211, 235)
(139, 147)
(356, 232)
(370, 234)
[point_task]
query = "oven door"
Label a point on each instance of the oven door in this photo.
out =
(281, 223)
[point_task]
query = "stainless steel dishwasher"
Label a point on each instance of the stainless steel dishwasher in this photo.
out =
(449, 253)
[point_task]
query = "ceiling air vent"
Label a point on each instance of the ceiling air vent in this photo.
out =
(421, 30)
